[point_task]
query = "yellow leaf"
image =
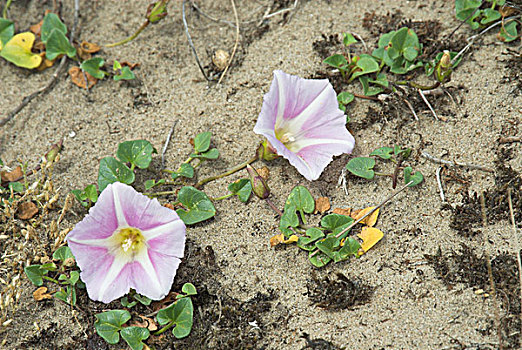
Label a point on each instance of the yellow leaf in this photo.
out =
(292, 239)
(277, 239)
(369, 220)
(18, 51)
(370, 236)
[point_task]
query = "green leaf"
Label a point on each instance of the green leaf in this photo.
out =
(86, 197)
(51, 22)
(319, 259)
(398, 151)
(16, 187)
(367, 89)
(111, 171)
(92, 193)
(362, 167)
(58, 44)
(348, 39)
(337, 61)
(134, 336)
(189, 289)
(351, 247)
(312, 235)
(241, 188)
(345, 97)
(92, 66)
(509, 32)
(202, 142)
(35, 274)
(185, 170)
(6, 31)
(179, 314)
(383, 152)
(302, 199)
(138, 153)
(75, 276)
(200, 208)
(62, 253)
(336, 223)
(210, 154)
(328, 245)
(109, 323)
(289, 217)
(142, 299)
(415, 177)
(126, 74)
(465, 11)
(365, 64)
(125, 302)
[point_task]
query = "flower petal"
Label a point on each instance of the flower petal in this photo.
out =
(168, 239)
(140, 211)
(308, 111)
(153, 274)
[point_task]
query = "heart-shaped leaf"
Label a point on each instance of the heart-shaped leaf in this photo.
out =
(62, 253)
(289, 218)
(180, 314)
(383, 152)
(318, 258)
(109, 323)
(302, 199)
(134, 336)
(350, 247)
(202, 141)
(416, 177)
(312, 235)
(189, 289)
(337, 61)
(51, 22)
(92, 66)
(362, 167)
(348, 39)
(58, 44)
(111, 171)
(185, 170)
(126, 74)
(200, 208)
(18, 51)
(365, 64)
(210, 154)
(336, 223)
(241, 188)
(345, 97)
(35, 274)
(138, 153)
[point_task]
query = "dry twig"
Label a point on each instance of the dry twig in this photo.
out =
(190, 41)
(427, 103)
(235, 45)
(166, 145)
(519, 259)
(455, 164)
(439, 184)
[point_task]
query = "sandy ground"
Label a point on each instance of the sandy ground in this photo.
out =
(410, 307)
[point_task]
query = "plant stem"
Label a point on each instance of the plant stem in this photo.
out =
(274, 208)
(222, 197)
(229, 172)
(4, 13)
(132, 37)
(418, 86)
(170, 324)
(51, 279)
(164, 193)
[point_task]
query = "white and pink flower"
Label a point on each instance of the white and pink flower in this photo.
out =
(301, 119)
(127, 241)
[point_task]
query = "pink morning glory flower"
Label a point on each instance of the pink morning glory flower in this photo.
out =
(301, 119)
(127, 241)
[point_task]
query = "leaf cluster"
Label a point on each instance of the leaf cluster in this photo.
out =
(109, 324)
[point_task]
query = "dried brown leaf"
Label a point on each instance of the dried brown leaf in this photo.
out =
(77, 77)
(322, 205)
(264, 172)
(13, 175)
(41, 294)
(342, 211)
(89, 47)
(27, 210)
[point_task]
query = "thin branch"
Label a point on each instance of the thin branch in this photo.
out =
(493, 291)
(455, 164)
(427, 103)
(411, 109)
(191, 43)
(282, 11)
(54, 77)
(510, 139)
(235, 44)
(519, 259)
(166, 145)
(439, 184)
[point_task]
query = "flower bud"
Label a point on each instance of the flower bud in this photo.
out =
(156, 11)
(445, 61)
(53, 152)
(266, 151)
(259, 185)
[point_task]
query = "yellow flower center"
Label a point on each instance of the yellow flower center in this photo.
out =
(286, 137)
(128, 240)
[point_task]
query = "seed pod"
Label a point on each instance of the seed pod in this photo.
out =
(220, 59)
